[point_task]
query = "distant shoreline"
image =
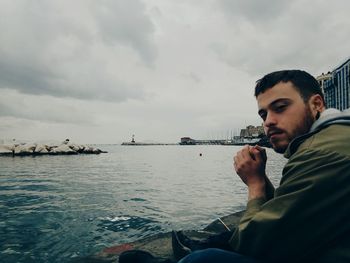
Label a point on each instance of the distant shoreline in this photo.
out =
(146, 144)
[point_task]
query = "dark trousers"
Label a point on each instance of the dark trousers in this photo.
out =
(213, 255)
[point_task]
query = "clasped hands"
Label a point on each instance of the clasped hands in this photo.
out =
(250, 164)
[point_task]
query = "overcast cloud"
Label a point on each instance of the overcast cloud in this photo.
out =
(100, 71)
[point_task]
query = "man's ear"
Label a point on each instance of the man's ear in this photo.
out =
(316, 104)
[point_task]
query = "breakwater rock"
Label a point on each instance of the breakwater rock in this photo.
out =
(64, 148)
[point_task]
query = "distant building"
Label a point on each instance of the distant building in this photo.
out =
(187, 141)
(322, 78)
(252, 132)
(337, 87)
(250, 135)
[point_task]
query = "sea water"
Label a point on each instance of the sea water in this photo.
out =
(58, 208)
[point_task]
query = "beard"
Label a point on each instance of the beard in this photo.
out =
(302, 128)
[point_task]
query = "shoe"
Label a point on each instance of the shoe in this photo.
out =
(179, 249)
(192, 244)
(140, 256)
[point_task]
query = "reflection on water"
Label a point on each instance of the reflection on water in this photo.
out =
(55, 208)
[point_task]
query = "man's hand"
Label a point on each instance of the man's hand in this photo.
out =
(250, 163)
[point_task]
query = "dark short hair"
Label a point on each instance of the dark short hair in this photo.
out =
(304, 83)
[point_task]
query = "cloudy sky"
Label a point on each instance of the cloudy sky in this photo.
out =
(100, 71)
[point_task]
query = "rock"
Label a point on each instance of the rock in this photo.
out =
(76, 147)
(6, 149)
(90, 149)
(62, 149)
(96, 151)
(87, 149)
(38, 149)
(41, 149)
(25, 149)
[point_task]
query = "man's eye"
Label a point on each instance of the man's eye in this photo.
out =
(280, 108)
(263, 116)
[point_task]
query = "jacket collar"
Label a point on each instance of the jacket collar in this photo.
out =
(327, 118)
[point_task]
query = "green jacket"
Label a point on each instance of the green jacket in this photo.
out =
(307, 219)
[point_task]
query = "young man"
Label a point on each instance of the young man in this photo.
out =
(306, 219)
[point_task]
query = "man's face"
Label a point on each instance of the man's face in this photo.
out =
(285, 115)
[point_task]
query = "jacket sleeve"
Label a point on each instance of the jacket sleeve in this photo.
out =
(270, 189)
(304, 216)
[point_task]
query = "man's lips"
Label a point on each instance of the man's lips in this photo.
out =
(274, 133)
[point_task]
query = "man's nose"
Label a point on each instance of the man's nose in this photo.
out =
(270, 120)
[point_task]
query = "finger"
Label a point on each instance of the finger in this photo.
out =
(238, 158)
(262, 151)
(246, 148)
(246, 152)
(258, 147)
(239, 154)
(257, 156)
(251, 152)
